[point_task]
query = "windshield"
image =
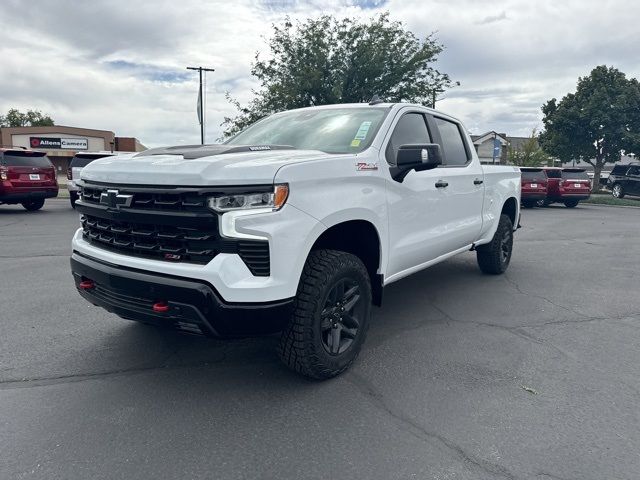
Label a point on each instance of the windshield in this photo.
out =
(331, 130)
(25, 159)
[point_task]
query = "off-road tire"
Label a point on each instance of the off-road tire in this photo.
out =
(571, 203)
(301, 343)
(492, 257)
(33, 205)
(617, 191)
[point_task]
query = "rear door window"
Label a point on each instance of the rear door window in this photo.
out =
(453, 145)
(25, 159)
(634, 171)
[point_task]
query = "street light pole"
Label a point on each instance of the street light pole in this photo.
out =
(201, 98)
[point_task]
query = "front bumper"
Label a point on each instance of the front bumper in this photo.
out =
(194, 306)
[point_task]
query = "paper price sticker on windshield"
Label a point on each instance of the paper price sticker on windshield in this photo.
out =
(361, 134)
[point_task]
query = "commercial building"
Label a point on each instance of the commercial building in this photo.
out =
(61, 143)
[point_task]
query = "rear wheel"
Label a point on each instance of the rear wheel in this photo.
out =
(543, 203)
(528, 203)
(571, 203)
(33, 205)
(331, 315)
(73, 197)
(494, 257)
(617, 191)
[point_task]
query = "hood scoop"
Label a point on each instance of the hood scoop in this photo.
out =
(190, 152)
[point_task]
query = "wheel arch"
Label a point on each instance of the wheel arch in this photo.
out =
(510, 208)
(362, 239)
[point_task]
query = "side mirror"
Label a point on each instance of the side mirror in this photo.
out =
(416, 157)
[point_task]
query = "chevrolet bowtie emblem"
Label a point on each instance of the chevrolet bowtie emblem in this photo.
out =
(113, 199)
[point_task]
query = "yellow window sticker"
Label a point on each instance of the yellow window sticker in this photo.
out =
(362, 131)
(355, 143)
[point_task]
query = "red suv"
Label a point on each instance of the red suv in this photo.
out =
(26, 177)
(533, 186)
(566, 185)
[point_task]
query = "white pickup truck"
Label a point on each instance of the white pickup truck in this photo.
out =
(295, 225)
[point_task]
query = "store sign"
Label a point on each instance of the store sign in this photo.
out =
(59, 143)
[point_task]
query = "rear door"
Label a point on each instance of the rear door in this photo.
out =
(27, 170)
(533, 181)
(575, 182)
(633, 180)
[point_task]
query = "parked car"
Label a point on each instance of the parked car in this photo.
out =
(566, 185)
(294, 225)
(534, 186)
(26, 177)
(78, 162)
(624, 180)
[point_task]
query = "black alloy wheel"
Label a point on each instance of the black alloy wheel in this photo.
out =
(341, 315)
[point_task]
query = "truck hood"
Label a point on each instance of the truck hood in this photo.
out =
(220, 166)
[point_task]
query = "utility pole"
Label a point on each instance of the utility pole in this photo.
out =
(201, 100)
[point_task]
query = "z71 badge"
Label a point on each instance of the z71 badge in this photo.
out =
(366, 166)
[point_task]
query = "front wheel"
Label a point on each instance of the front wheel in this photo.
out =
(33, 205)
(73, 197)
(571, 203)
(494, 257)
(331, 315)
(617, 191)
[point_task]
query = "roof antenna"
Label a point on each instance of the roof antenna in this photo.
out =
(375, 100)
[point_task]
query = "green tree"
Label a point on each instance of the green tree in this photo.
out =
(597, 123)
(329, 60)
(529, 154)
(32, 118)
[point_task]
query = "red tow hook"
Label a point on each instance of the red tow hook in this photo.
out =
(161, 307)
(86, 285)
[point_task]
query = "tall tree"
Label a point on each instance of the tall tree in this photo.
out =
(529, 153)
(31, 118)
(597, 123)
(329, 60)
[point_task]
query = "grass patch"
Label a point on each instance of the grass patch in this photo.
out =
(599, 199)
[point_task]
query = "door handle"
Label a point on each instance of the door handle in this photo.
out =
(477, 181)
(441, 184)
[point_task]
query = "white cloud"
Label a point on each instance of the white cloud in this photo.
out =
(119, 66)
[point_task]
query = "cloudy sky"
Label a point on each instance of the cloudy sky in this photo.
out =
(120, 64)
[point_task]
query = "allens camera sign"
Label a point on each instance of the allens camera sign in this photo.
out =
(59, 143)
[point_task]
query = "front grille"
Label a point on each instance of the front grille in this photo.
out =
(172, 225)
(149, 200)
(153, 241)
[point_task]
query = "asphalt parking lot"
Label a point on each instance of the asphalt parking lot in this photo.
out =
(530, 375)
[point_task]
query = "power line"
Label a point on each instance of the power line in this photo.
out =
(201, 98)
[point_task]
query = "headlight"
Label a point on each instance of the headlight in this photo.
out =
(246, 201)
